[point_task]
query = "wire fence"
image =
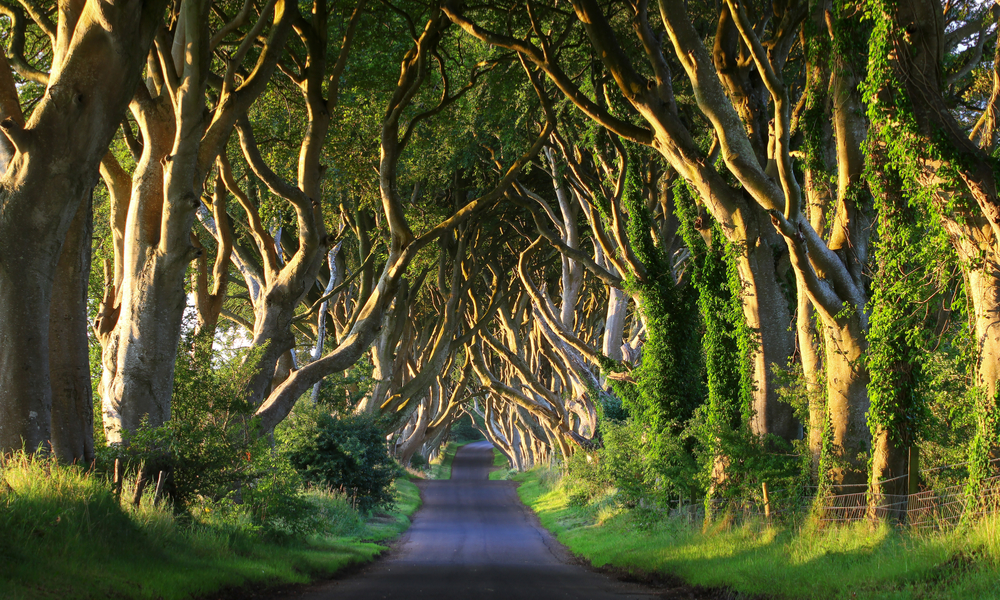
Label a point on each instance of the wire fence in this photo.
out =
(938, 507)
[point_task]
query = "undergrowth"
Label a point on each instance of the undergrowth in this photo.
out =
(503, 470)
(793, 561)
(64, 534)
(439, 467)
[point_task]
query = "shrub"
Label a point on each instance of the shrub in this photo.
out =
(347, 454)
(220, 470)
(417, 461)
(464, 430)
(637, 462)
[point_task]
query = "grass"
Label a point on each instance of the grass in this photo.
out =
(387, 525)
(793, 562)
(64, 535)
(502, 472)
(440, 466)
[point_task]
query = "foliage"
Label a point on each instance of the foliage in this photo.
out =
(341, 392)
(952, 415)
(734, 460)
(913, 269)
(346, 453)
(636, 462)
(610, 406)
(211, 455)
(66, 535)
(917, 263)
(758, 559)
(669, 381)
(981, 450)
(464, 430)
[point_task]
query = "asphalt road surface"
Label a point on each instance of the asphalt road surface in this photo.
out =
(474, 539)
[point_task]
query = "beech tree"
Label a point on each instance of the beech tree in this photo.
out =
(943, 164)
(735, 140)
(97, 54)
(691, 223)
(760, 160)
(404, 244)
(141, 317)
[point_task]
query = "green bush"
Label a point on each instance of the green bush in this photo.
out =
(218, 468)
(417, 461)
(335, 515)
(463, 430)
(341, 392)
(639, 463)
(347, 454)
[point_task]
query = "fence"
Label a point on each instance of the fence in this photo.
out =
(935, 508)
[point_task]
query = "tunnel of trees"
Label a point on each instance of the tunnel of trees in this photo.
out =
(737, 241)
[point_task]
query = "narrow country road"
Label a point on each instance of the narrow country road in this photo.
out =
(473, 539)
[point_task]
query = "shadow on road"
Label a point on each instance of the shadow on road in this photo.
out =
(474, 539)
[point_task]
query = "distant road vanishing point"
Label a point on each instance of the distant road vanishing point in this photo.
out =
(473, 539)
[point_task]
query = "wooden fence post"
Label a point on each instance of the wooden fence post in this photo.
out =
(767, 501)
(160, 480)
(117, 478)
(913, 471)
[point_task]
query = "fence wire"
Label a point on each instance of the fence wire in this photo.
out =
(931, 508)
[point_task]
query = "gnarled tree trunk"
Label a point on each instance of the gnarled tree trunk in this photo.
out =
(101, 51)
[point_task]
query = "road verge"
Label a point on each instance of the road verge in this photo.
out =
(64, 534)
(755, 560)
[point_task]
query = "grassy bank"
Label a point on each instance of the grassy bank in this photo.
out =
(64, 535)
(855, 561)
(502, 472)
(440, 466)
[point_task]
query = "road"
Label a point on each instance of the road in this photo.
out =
(474, 539)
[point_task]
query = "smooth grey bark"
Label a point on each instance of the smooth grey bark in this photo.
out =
(390, 348)
(984, 290)
(99, 57)
(69, 358)
(321, 317)
(166, 192)
(847, 404)
(765, 308)
(812, 370)
(572, 270)
(415, 439)
(138, 376)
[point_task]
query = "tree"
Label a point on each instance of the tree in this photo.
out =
(98, 51)
(759, 162)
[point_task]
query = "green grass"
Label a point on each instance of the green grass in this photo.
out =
(387, 525)
(63, 535)
(854, 561)
(440, 467)
(503, 471)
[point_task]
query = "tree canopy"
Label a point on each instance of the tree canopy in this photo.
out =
(752, 241)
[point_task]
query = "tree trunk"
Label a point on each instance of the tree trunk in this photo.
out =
(53, 171)
(984, 292)
(139, 375)
(25, 386)
(417, 436)
(847, 406)
(890, 461)
(614, 325)
(766, 311)
(812, 371)
(69, 359)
